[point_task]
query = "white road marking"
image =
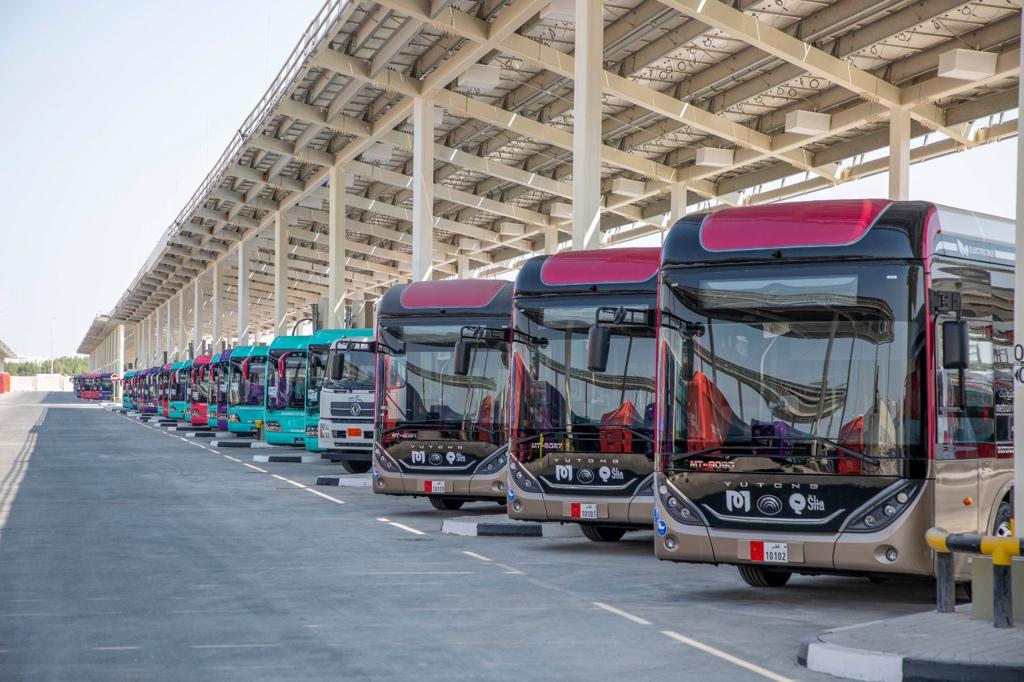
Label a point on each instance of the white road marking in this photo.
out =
(481, 557)
(510, 570)
(256, 468)
(308, 489)
(401, 526)
(116, 648)
(619, 612)
(233, 646)
(752, 667)
(233, 459)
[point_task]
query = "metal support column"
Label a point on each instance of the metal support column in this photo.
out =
(587, 121)
(423, 190)
(280, 275)
(244, 329)
(677, 200)
(337, 242)
(899, 155)
(217, 311)
(197, 317)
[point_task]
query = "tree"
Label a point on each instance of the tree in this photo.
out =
(68, 365)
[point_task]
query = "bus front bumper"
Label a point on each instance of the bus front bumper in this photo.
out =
(899, 548)
(488, 483)
(577, 506)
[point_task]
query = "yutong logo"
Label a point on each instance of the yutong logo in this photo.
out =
(769, 505)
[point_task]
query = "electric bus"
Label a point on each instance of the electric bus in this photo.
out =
(105, 386)
(442, 391)
(316, 366)
(178, 406)
(217, 414)
(199, 391)
(835, 378)
(126, 389)
(583, 361)
(164, 388)
(286, 391)
(149, 391)
(346, 402)
(76, 384)
(247, 390)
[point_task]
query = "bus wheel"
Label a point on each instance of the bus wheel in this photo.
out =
(1002, 524)
(755, 576)
(356, 467)
(601, 533)
(445, 503)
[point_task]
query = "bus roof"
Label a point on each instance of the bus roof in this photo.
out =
(865, 228)
(612, 270)
(201, 360)
(290, 343)
(460, 297)
(326, 337)
(249, 351)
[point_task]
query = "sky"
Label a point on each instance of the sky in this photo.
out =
(114, 111)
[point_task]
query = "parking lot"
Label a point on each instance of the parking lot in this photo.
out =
(128, 552)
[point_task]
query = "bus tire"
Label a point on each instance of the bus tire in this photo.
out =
(356, 467)
(755, 576)
(1004, 513)
(597, 533)
(445, 503)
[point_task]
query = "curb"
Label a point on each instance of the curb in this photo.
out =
(232, 443)
(286, 459)
(345, 480)
(502, 526)
(205, 434)
(879, 666)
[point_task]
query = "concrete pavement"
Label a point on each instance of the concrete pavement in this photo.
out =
(132, 553)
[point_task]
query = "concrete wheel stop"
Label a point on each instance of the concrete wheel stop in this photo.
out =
(497, 526)
(345, 480)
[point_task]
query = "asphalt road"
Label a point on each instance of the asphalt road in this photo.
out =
(129, 553)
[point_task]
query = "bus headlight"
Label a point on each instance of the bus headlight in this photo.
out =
(676, 504)
(385, 460)
(311, 432)
(883, 509)
(523, 478)
(495, 462)
(274, 427)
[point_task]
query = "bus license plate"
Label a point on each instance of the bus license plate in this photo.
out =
(769, 552)
(433, 486)
(583, 511)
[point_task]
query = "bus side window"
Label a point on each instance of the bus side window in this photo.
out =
(968, 431)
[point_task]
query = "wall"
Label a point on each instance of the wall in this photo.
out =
(41, 382)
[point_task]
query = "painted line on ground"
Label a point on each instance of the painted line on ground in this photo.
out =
(401, 526)
(233, 459)
(511, 570)
(302, 486)
(254, 467)
(233, 646)
(619, 612)
(481, 557)
(116, 648)
(752, 667)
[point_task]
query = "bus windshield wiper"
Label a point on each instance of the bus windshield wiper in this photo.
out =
(868, 459)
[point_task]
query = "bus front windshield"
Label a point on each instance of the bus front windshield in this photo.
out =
(420, 389)
(218, 383)
(560, 402)
(806, 368)
(248, 383)
(200, 388)
(357, 370)
(315, 377)
(106, 384)
(286, 380)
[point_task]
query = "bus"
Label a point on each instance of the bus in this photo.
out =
(126, 390)
(217, 414)
(199, 391)
(105, 386)
(149, 388)
(164, 390)
(835, 378)
(583, 367)
(247, 390)
(316, 366)
(442, 391)
(346, 402)
(178, 406)
(286, 391)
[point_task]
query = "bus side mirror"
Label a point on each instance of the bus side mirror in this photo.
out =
(462, 351)
(337, 367)
(315, 362)
(956, 345)
(599, 341)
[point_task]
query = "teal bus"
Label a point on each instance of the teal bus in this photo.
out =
(127, 390)
(247, 380)
(316, 369)
(286, 391)
(178, 404)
